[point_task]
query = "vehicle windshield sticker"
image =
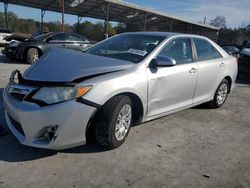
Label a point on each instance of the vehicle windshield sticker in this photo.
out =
(137, 52)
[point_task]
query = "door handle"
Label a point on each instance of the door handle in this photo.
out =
(193, 70)
(222, 64)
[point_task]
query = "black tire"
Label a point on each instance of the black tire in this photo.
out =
(105, 132)
(215, 102)
(32, 55)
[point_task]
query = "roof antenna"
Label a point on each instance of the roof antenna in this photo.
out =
(205, 20)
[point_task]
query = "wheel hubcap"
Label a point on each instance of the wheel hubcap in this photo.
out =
(222, 94)
(35, 56)
(123, 122)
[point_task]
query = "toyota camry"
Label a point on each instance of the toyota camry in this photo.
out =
(128, 79)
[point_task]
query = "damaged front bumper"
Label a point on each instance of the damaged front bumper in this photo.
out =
(58, 126)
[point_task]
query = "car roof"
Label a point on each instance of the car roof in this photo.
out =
(163, 34)
(58, 32)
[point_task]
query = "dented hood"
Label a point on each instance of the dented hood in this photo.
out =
(61, 65)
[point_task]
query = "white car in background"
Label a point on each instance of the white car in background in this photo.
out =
(4, 33)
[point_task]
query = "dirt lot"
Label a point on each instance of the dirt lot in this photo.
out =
(198, 147)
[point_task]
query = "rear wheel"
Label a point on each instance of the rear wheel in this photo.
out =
(220, 95)
(114, 122)
(32, 55)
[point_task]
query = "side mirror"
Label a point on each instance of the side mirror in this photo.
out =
(162, 61)
(48, 39)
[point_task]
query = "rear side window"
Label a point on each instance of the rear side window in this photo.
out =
(205, 50)
(179, 49)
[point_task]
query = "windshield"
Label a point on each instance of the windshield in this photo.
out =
(42, 37)
(128, 47)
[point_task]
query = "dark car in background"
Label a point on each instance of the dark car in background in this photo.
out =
(244, 56)
(33, 48)
(232, 50)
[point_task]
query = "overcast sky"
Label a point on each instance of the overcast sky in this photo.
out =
(237, 12)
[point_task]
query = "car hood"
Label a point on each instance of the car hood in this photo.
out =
(61, 65)
(245, 51)
(16, 38)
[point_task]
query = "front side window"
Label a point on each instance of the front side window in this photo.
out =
(59, 37)
(205, 50)
(43, 36)
(178, 49)
(128, 47)
(73, 37)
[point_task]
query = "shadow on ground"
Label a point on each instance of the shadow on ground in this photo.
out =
(12, 151)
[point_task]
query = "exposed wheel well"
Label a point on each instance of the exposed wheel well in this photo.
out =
(138, 108)
(137, 116)
(228, 78)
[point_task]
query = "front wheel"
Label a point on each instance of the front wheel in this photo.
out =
(32, 55)
(114, 122)
(220, 95)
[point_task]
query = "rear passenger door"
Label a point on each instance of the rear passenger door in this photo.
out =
(210, 67)
(170, 88)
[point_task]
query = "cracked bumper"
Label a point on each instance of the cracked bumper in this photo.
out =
(26, 121)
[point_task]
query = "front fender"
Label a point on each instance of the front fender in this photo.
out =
(107, 86)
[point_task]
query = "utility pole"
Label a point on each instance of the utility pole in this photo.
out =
(107, 22)
(205, 20)
(62, 15)
(62, 6)
(6, 15)
(42, 16)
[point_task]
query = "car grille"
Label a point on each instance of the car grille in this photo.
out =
(17, 125)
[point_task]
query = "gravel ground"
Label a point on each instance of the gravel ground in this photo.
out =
(198, 147)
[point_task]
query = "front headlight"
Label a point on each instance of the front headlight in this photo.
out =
(52, 95)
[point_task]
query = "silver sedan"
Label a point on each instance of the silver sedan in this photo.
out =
(69, 97)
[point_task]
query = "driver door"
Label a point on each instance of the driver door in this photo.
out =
(171, 88)
(57, 40)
